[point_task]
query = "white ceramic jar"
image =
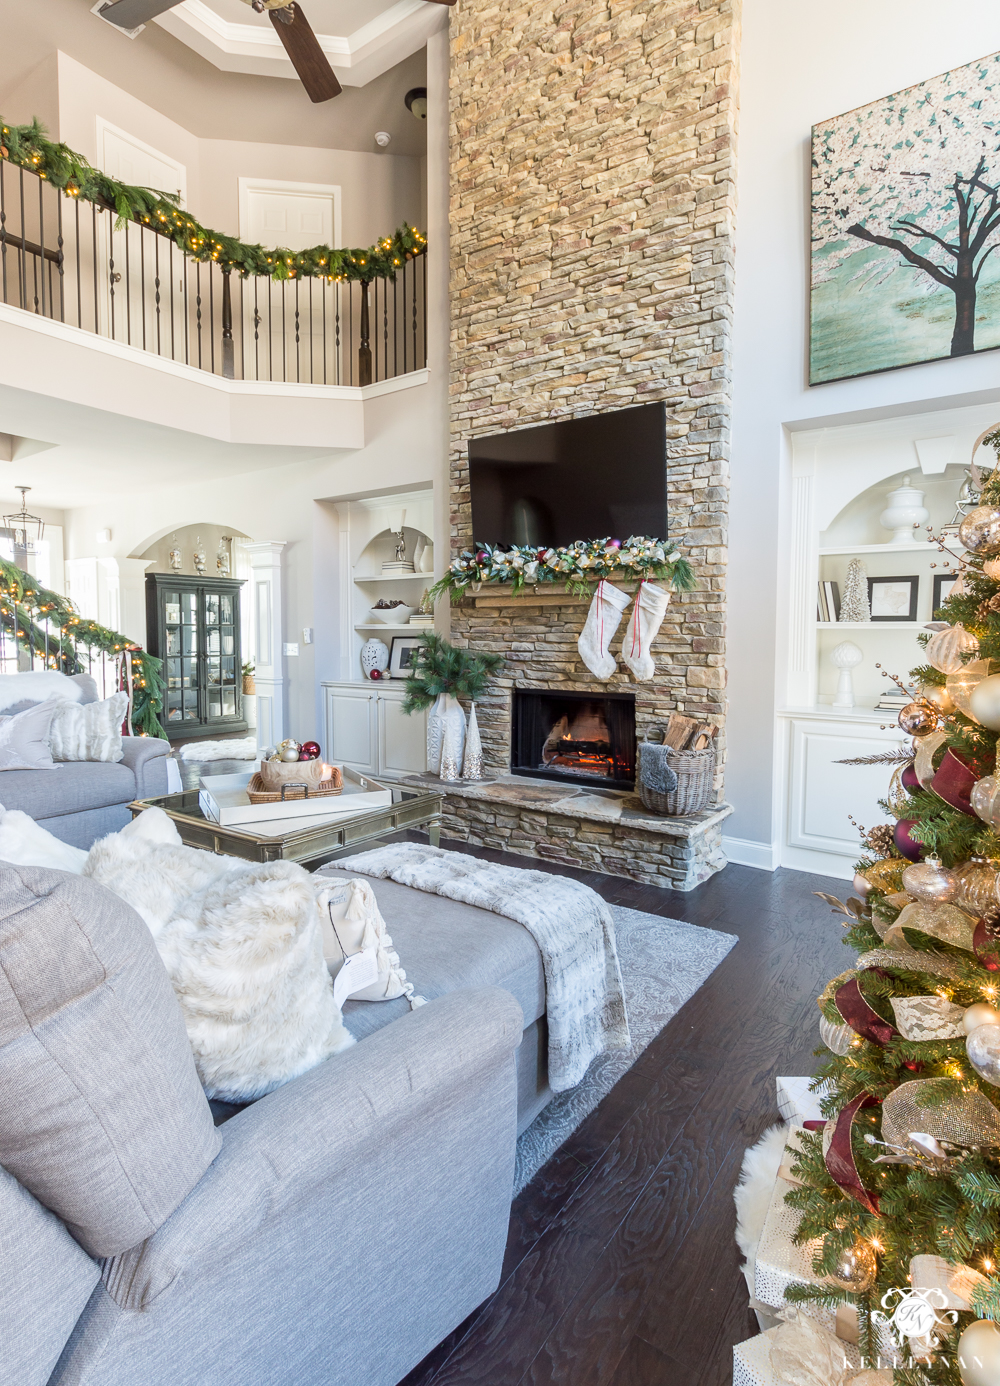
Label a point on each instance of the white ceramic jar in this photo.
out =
(904, 512)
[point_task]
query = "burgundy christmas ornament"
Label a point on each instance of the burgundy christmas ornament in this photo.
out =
(910, 848)
(953, 781)
(375, 674)
(909, 780)
(986, 945)
(312, 750)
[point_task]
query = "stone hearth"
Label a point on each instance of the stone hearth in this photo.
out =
(593, 830)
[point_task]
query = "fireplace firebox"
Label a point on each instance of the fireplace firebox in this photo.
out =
(583, 738)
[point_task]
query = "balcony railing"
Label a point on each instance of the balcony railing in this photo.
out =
(68, 260)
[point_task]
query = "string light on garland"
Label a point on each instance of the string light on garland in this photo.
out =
(27, 146)
(578, 565)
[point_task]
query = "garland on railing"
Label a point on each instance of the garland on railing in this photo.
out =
(27, 146)
(23, 605)
(579, 565)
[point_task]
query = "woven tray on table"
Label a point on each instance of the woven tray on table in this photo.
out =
(695, 771)
(292, 789)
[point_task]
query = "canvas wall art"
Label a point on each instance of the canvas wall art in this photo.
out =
(906, 226)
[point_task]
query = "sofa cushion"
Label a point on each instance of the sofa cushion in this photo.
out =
(69, 788)
(445, 945)
(102, 1116)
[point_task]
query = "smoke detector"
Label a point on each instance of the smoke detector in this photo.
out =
(382, 138)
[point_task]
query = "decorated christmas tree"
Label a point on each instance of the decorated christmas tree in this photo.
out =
(900, 1191)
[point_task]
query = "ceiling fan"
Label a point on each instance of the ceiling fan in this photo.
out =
(291, 25)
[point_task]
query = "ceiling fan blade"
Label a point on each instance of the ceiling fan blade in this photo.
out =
(129, 14)
(302, 47)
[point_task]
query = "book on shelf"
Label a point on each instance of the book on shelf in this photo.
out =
(821, 612)
(832, 591)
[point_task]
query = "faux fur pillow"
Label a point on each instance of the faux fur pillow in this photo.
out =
(90, 732)
(243, 946)
(23, 842)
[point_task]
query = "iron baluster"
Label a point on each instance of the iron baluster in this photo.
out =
(385, 328)
(97, 292)
(284, 333)
(41, 242)
(336, 328)
(142, 281)
(298, 371)
(79, 276)
(228, 348)
(128, 287)
(197, 299)
(170, 271)
(423, 275)
(59, 262)
(414, 315)
(256, 329)
(211, 314)
(157, 297)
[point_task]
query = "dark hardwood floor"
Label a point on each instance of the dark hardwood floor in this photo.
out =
(621, 1267)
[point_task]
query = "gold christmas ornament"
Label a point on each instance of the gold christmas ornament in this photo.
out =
(961, 683)
(938, 696)
(980, 1013)
(984, 796)
(856, 1268)
(979, 532)
(984, 702)
(929, 880)
(861, 886)
(918, 719)
(975, 885)
(979, 1353)
(946, 649)
(886, 876)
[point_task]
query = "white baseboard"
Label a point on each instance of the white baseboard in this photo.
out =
(741, 851)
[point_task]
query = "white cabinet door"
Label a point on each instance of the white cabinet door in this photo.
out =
(351, 731)
(402, 740)
(823, 792)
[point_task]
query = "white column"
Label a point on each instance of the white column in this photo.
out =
(265, 604)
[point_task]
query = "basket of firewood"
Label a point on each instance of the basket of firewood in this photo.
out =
(676, 770)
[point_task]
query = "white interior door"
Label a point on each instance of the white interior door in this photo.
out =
(138, 318)
(293, 216)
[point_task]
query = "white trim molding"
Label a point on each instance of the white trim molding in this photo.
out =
(741, 851)
(357, 58)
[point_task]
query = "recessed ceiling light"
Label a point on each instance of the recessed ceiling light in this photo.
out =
(416, 102)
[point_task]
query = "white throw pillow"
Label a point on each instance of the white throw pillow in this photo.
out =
(39, 685)
(352, 923)
(24, 738)
(91, 732)
(26, 843)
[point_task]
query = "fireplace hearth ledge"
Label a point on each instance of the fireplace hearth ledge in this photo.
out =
(590, 829)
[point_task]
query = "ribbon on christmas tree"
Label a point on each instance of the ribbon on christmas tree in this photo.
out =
(838, 1155)
(863, 1020)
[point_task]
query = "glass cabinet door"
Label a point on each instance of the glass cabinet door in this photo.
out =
(220, 656)
(180, 622)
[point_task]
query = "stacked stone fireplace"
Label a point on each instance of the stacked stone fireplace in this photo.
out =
(592, 212)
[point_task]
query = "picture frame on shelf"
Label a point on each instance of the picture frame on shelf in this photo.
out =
(893, 598)
(403, 655)
(943, 583)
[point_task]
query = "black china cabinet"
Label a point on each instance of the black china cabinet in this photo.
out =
(193, 625)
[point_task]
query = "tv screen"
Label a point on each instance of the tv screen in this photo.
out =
(601, 476)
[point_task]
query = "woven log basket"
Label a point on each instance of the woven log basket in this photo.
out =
(695, 772)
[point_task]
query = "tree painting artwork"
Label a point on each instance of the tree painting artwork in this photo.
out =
(905, 226)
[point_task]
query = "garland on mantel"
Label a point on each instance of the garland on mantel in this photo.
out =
(579, 565)
(23, 605)
(27, 146)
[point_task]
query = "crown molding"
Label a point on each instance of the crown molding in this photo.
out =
(357, 58)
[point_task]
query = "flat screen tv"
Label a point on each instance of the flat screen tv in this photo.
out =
(601, 476)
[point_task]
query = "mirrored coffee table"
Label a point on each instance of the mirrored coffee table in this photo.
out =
(310, 846)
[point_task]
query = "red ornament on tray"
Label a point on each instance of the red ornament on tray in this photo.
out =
(310, 750)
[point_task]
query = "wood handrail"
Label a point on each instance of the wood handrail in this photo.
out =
(31, 248)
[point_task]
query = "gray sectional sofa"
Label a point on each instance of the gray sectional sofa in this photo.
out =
(351, 1219)
(84, 799)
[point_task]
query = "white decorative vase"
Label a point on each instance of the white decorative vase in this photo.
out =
(453, 739)
(472, 765)
(904, 512)
(846, 657)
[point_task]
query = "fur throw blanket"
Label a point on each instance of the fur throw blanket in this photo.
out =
(243, 945)
(573, 927)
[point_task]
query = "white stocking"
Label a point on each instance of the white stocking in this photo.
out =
(646, 619)
(603, 619)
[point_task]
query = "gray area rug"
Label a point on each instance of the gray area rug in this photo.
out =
(663, 962)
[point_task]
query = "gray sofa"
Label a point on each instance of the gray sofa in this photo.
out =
(350, 1219)
(84, 799)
